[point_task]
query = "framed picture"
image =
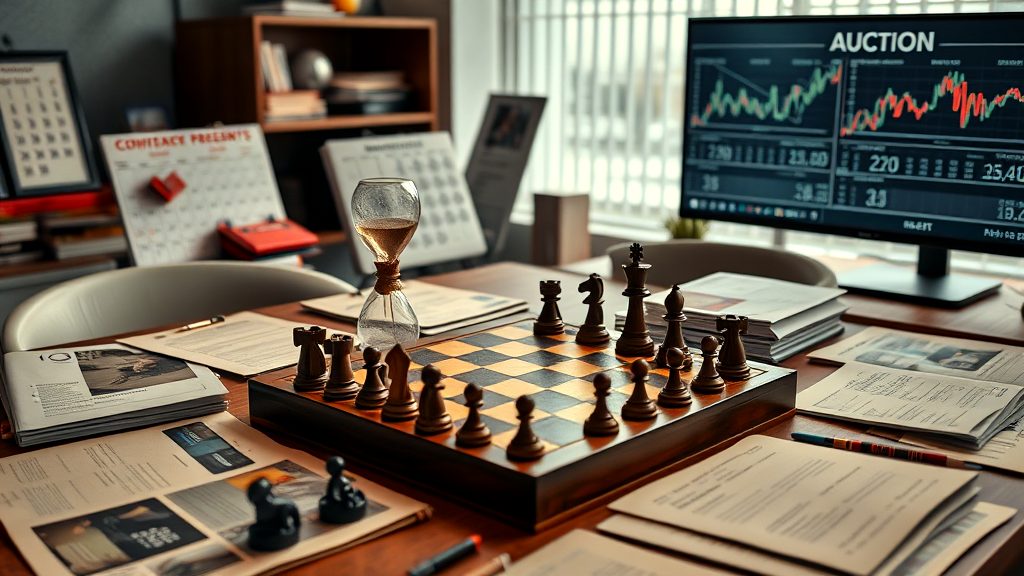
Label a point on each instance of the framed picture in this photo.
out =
(45, 141)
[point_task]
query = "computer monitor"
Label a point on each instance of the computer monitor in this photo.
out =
(907, 129)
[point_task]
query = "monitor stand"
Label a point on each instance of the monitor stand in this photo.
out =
(931, 284)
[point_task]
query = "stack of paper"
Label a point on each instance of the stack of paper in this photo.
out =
(438, 308)
(70, 392)
(784, 317)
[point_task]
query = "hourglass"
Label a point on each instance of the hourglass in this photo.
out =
(386, 212)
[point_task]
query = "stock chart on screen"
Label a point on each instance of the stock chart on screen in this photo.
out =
(910, 127)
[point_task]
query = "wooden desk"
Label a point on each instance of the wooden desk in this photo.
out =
(1001, 552)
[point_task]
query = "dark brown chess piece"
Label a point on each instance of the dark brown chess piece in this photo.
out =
(732, 359)
(374, 392)
(708, 380)
(550, 320)
(601, 422)
(525, 445)
(593, 332)
(639, 406)
(341, 384)
(433, 417)
(311, 371)
(635, 339)
(674, 317)
(400, 405)
(474, 431)
(675, 394)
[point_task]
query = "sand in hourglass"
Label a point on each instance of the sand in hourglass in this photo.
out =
(386, 237)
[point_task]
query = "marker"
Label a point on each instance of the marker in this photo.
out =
(884, 450)
(201, 323)
(448, 557)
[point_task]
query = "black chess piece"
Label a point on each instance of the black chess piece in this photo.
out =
(474, 431)
(675, 394)
(311, 371)
(732, 358)
(525, 445)
(635, 339)
(639, 406)
(550, 320)
(374, 393)
(343, 503)
(708, 380)
(601, 421)
(674, 318)
(341, 384)
(277, 519)
(400, 405)
(433, 417)
(593, 331)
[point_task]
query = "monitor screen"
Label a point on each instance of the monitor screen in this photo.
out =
(899, 128)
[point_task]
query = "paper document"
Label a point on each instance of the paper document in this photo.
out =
(1005, 450)
(245, 343)
(172, 500)
(842, 510)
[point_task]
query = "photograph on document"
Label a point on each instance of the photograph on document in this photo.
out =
(207, 447)
(194, 561)
(118, 370)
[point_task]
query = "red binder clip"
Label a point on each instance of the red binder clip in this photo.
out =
(168, 187)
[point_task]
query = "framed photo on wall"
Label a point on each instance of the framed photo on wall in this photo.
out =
(46, 145)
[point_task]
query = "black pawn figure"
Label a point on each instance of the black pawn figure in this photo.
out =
(635, 339)
(277, 519)
(601, 422)
(400, 405)
(311, 371)
(433, 417)
(474, 432)
(374, 393)
(550, 320)
(341, 384)
(525, 445)
(639, 406)
(675, 394)
(732, 359)
(674, 317)
(708, 380)
(593, 332)
(343, 503)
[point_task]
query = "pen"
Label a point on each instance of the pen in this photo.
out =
(201, 323)
(450, 556)
(884, 450)
(497, 565)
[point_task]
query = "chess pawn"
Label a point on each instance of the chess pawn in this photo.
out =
(525, 445)
(674, 319)
(474, 432)
(639, 406)
(707, 380)
(341, 384)
(400, 405)
(675, 394)
(601, 422)
(593, 331)
(342, 503)
(277, 519)
(732, 359)
(374, 393)
(635, 339)
(311, 371)
(550, 320)
(434, 417)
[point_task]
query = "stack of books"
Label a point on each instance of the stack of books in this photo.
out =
(294, 8)
(783, 317)
(19, 241)
(283, 102)
(73, 235)
(368, 92)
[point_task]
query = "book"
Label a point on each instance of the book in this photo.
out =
(281, 57)
(303, 7)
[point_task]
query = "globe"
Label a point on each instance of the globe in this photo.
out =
(311, 70)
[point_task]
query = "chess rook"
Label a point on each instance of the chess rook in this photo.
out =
(639, 406)
(708, 380)
(525, 445)
(601, 422)
(732, 359)
(277, 519)
(675, 394)
(311, 371)
(550, 320)
(341, 384)
(474, 431)
(342, 503)
(433, 417)
(635, 339)
(400, 405)
(674, 319)
(374, 393)
(593, 331)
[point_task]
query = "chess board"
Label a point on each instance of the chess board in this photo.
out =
(509, 361)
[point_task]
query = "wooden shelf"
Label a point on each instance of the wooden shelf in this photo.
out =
(348, 122)
(344, 22)
(331, 237)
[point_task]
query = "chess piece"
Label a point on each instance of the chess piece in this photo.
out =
(675, 394)
(433, 417)
(635, 339)
(374, 393)
(639, 406)
(400, 405)
(341, 384)
(593, 332)
(550, 320)
(277, 519)
(474, 432)
(525, 445)
(311, 372)
(732, 359)
(674, 317)
(708, 380)
(601, 422)
(343, 503)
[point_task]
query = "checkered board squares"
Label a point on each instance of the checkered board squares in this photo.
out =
(554, 371)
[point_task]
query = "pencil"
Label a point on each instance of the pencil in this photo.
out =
(884, 450)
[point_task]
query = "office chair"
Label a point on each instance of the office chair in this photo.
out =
(133, 299)
(679, 261)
